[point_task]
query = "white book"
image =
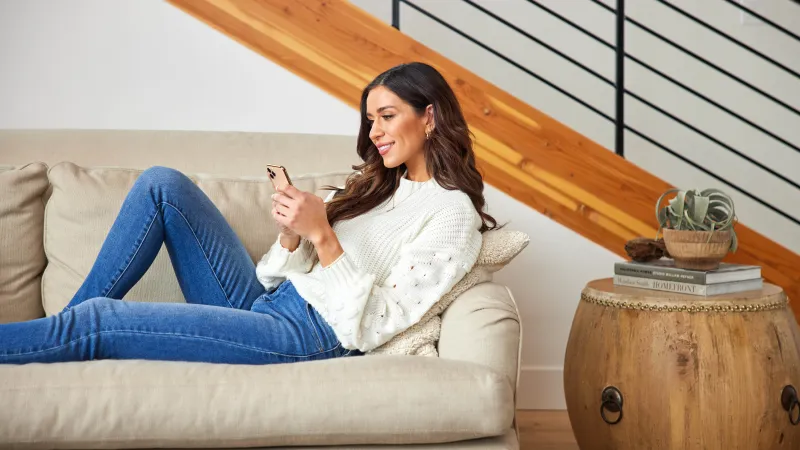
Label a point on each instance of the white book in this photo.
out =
(689, 288)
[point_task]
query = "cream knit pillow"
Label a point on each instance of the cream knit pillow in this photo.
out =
(498, 249)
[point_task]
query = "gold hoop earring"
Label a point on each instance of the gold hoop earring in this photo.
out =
(427, 134)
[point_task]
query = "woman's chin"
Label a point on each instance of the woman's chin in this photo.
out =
(390, 162)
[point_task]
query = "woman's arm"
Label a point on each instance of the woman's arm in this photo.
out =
(289, 242)
(288, 254)
(328, 248)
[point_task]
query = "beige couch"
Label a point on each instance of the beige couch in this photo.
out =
(61, 190)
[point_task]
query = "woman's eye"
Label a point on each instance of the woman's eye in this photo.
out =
(388, 117)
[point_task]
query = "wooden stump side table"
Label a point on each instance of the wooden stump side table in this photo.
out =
(655, 370)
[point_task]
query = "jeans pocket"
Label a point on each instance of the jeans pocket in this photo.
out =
(325, 335)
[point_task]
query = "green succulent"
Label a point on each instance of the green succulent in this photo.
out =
(706, 210)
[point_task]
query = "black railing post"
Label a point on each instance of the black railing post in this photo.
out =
(619, 143)
(396, 13)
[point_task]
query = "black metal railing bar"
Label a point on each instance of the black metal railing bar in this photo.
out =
(619, 98)
(701, 59)
(506, 59)
(764, 19)
(728, 38)
(712, 174)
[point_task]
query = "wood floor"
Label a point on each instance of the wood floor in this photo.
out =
(545, 430)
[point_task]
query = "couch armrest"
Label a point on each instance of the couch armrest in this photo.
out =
(483, 326)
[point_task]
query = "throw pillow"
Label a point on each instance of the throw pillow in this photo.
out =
(22, 258)
(498, 249)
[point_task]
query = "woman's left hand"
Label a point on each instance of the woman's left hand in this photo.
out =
(302, 212)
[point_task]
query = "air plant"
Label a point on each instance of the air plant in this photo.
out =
(707, 210)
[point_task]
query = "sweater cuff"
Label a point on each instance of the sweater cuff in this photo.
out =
(280, 259)
(341, 272)
(277, 256)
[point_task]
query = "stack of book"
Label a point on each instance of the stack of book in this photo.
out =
(662, 275)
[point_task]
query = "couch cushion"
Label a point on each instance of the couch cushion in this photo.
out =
(21, 254)
(357, 400)
(231, 153)
(85, 202)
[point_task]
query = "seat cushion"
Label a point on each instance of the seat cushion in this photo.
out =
(345, 401)
(22, 259)
(85, 202)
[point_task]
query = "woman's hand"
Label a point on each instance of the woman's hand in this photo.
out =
(283, 229)
(300, 213)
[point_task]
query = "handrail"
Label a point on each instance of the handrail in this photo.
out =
(620, 90)
(669, 78)
(505, 58)
(710, 173)
(700, 58)
(538, 41)
(763, 19)
(729, 38)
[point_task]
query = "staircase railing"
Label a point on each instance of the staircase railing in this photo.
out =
(621, 126)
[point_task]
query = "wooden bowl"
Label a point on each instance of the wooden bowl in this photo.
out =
(694, 250)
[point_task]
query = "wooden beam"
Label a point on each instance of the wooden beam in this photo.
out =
(522, 151)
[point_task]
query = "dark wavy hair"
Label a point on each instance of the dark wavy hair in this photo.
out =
(449, 156)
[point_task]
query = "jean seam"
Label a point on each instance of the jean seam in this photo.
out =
(202, 250)
(142, 238)
(181, 335)
(313, 328)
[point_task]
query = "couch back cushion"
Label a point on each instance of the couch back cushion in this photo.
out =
(85, 201)
(226, 153)
(22, 257)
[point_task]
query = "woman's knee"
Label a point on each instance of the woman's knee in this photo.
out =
(164, 178)
(96, 304)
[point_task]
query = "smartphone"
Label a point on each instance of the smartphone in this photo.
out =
(279, 176)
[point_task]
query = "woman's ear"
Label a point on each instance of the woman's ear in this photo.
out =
(430, 123)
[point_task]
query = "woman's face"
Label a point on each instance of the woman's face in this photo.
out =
(398, 132)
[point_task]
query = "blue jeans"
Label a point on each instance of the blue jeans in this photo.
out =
(228, 316)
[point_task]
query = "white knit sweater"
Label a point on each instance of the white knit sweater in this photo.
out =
(397, 263)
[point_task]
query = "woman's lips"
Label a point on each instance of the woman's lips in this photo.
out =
(384, 148)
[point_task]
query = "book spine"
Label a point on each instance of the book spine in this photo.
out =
(660, 285)
(659, 273)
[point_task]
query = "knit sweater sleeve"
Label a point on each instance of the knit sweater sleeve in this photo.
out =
(271, 270)
(366, 314)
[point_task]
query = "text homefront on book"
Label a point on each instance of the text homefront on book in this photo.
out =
(663, 275)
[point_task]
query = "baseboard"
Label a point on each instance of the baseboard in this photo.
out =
(541, 387)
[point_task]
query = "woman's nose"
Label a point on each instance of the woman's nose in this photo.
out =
(375, 132)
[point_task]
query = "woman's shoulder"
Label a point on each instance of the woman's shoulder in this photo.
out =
(453, 205)
(453, 199)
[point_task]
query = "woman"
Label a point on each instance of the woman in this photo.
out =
(344, 276)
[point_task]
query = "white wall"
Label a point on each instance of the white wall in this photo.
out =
(93, 64)
(143, 64)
